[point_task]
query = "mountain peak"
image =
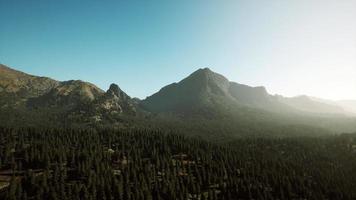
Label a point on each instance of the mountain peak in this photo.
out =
(117, 101)
(205, 69)
(202, 88)
(207, 74)
(114, 89)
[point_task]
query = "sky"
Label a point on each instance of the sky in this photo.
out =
(291, 47)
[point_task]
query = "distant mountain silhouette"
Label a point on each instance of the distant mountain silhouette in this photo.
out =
(308, 104)
(349, 105)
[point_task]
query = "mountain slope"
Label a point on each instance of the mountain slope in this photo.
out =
(17, 87)
(208, 90)
(40, 96)
(349, 106)
(208, 101)
(203, 89)
(203, 103)
(67, 93)
(308, 104)
(13, 81)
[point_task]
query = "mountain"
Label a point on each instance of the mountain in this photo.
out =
(309, 104)
(349, 106)
(205, 103)
(205, 89)
(13, 81)
(208, 102)
(17, 87)
(28, 94)
(116, 100)
(67, 94)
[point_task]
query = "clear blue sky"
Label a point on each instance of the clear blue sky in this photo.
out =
(291, 47)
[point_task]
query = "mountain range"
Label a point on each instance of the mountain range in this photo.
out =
(204, 98)
(209, 89)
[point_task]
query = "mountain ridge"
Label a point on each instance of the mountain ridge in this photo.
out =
(204, 87)
(24, 92)
(202, 96)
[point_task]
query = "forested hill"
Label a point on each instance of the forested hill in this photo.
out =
(148, 164)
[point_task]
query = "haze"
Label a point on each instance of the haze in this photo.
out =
(291, 47)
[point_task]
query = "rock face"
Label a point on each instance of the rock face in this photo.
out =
(115, 91)
(116, 100)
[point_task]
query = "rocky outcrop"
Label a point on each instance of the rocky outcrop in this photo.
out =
(117, 101)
